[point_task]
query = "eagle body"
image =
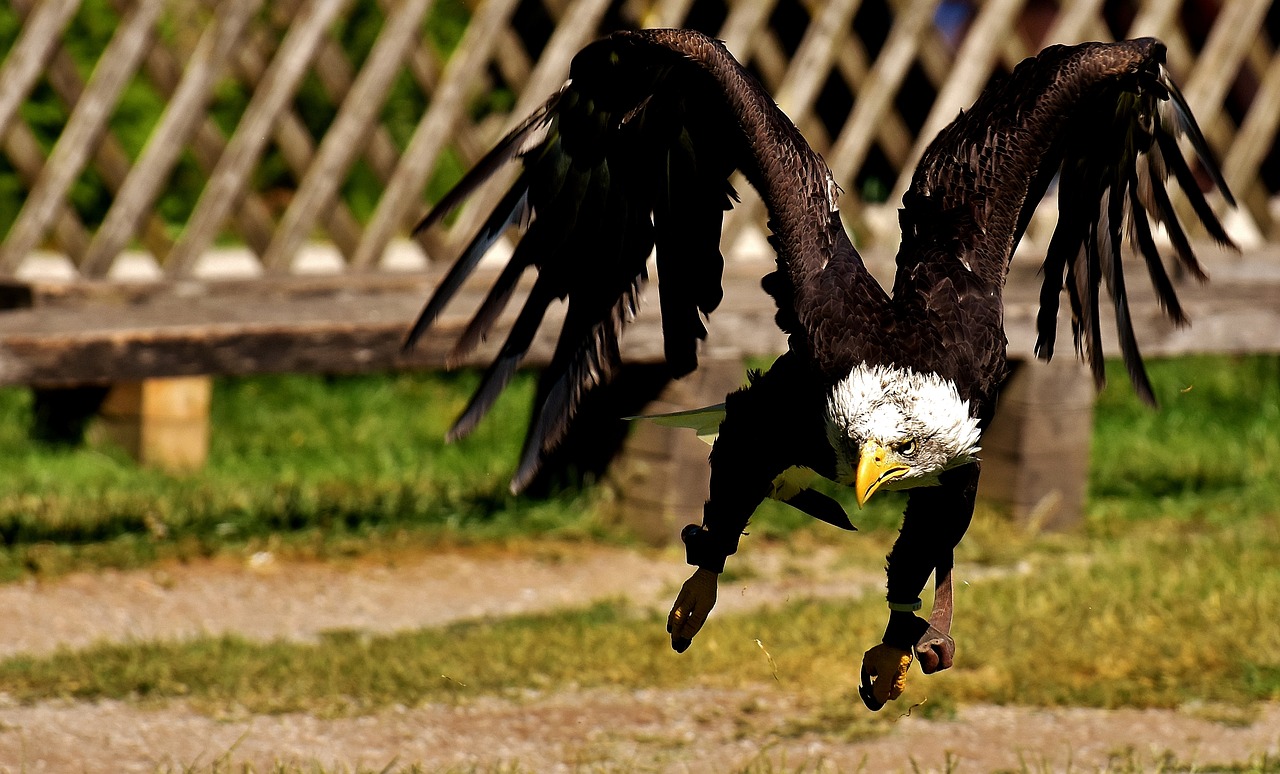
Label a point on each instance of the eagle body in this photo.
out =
(876, 390)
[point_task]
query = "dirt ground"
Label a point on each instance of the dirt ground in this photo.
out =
(600, 729)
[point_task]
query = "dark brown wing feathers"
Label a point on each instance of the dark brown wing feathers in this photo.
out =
(635, 151)
(1103, 118)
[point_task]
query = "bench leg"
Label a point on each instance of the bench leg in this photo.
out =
(662, 475)
(162, 423)
(1035, 454)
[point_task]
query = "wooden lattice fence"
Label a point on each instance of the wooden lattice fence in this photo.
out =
(869, 82)
(169, 169)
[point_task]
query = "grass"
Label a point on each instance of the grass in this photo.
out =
(310, 466)
(1211, 453)
(1165, 599)
(1172, 615)
(319, 467)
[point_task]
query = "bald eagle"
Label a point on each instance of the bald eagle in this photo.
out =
(876, 390)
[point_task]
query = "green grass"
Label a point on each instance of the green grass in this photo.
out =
(322, 467)
(1173, 614)
(1167, 597)
(1210, 453)
(311, 465)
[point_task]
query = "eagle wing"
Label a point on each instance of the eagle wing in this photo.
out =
(635, 151)
(1105, 119)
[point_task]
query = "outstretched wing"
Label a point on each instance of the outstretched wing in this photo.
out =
(1102, 194)
(1105, 118)
(635, 152)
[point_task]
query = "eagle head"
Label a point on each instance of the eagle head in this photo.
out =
(897, 428)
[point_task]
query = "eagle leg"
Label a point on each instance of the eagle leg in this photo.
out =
(935, 649)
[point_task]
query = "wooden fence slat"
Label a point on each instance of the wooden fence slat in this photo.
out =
(26, 61)
(796, 94)
(1155, 19)
(380, 149)
(295, 143)
(666, 13)
(578, 25)
(23, 150)
(1228, 44)
(181, 118)
(814, 57)
(1001, 32)
(109, 156)
(231, 176)
(892, 134)
(432, 132)
(252, 215)
(743, 23)
(1077, 21)
(84, 129)
(1257, 135)
(1225, 48)
(875, 99)
(968, 76)
(346, 135)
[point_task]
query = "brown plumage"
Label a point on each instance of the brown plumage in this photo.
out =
(636, 151)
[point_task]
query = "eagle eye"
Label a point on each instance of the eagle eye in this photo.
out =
(906, 448)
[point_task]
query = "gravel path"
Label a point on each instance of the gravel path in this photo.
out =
(690, 730)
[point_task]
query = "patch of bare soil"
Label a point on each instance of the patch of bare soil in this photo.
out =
(602, 730)
(691, 730)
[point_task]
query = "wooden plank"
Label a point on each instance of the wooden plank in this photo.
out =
(579, 23)
(23, 150)
(973, 63)
(85, 127)
(26, 61)
(432, 133)
(181, 117)
(334, 325)
(346, 135)
(231, 176)
(875, 99)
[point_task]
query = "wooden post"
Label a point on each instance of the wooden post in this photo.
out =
(662, 474)
(162, 423)
(1035, 454)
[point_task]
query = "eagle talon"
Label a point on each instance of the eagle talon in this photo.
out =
(935, 650)
(884, 675)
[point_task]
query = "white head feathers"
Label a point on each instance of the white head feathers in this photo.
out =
(894, 406)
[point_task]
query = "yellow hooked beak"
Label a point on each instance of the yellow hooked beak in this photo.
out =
(875, 469)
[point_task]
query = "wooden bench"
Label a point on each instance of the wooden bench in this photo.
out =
(155, 344)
